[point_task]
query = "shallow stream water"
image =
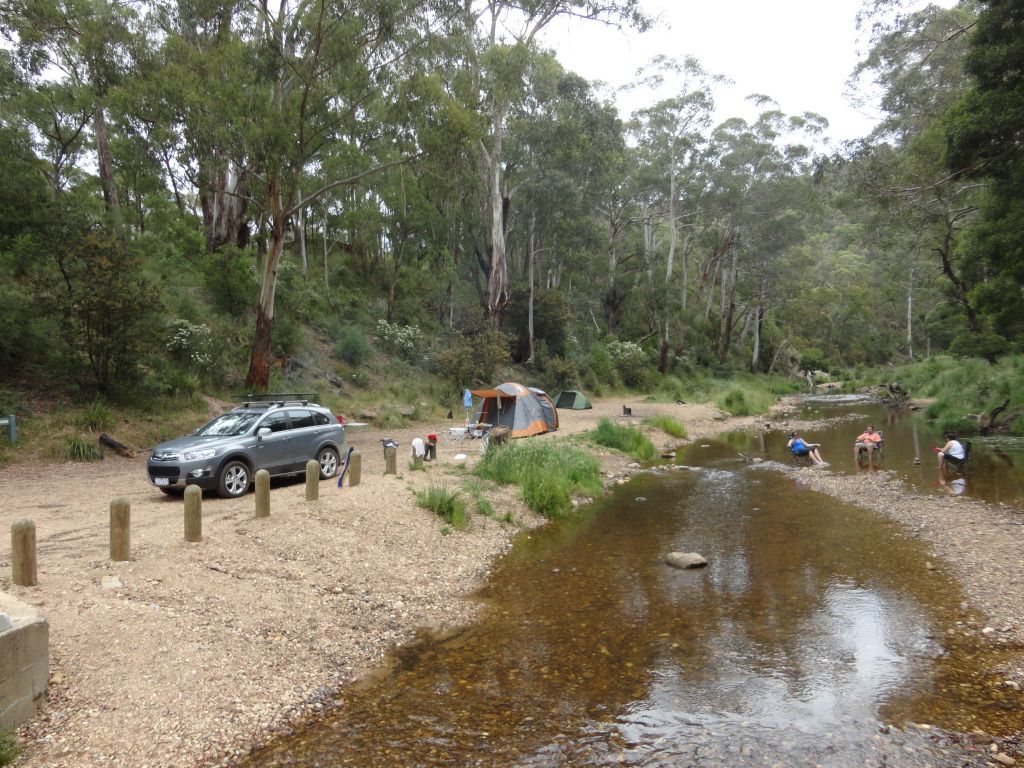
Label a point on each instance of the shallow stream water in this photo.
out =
(815, 636)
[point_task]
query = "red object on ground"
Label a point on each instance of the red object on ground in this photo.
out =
(341, 419)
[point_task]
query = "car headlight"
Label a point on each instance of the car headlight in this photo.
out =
(206, 453)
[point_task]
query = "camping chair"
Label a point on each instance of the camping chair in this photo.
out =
(454, 436)
(961, 468)
(879, 452)
(800, 461)
(481, 432)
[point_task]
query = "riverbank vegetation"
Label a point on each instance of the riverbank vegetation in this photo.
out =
(550, 474)
(970, 395)
(629, 440)
(179, 223)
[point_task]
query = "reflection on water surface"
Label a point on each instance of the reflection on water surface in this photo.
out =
(813, 623)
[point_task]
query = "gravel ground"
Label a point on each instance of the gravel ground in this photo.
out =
(191, 654)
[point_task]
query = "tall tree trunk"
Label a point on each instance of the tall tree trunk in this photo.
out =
(497, 279)
(755, 357)
(959, 288)
(530, 251)
(327, 281)
(728, 310)
(224, 206)
(258, 376)
(910, 315)
(300, 230)
(611, 296)
(105, 161)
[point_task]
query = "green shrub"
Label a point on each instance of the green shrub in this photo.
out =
(79, 449)
(445, 504)
(471, 358)
(667, 424)
(630, 362)
(626, 439)
(8, 748)
(352, 346)
(548, 473)
(746, 400)
(599, 369)
(96, 418)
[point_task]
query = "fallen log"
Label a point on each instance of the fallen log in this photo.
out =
(122, 449)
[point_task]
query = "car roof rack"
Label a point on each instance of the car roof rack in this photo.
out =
(277, 398)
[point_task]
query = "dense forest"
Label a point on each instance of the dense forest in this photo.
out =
(195, 192)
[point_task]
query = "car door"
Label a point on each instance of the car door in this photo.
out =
(273, 452)
(305, 435)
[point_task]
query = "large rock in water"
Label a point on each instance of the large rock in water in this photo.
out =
(685, 560)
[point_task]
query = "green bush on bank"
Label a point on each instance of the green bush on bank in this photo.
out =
(548, 473)
(626, 439)
(964, 388)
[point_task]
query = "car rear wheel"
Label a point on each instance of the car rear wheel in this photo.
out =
(328, 461)
(233, 480)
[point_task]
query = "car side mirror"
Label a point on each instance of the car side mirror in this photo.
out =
(263, 431)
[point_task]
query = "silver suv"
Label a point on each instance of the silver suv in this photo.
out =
(278, 435)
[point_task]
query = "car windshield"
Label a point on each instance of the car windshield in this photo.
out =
(234, 423)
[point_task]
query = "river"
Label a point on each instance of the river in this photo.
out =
(815, 635)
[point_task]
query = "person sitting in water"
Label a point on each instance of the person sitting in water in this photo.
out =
(869, 440)
(952, 453)
(798, 447)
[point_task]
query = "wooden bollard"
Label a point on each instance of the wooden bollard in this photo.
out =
(390, 460)
(23, 553)
(120, 529)
(262, 493)
(193, 513)
(417, 462)
(312, 480)
(355, 468)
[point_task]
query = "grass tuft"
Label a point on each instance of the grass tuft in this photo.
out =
(444, 503)
(548, 473)
(79, 449)
(667, 424)
(626, 439)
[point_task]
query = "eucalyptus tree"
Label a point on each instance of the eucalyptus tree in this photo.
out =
(917, 62)
(562, 149)
(671, 140)
(88, 48)
(985, 136)
(752, 200)
(286, 87)
(506, 45)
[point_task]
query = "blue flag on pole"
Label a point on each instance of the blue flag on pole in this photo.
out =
(467, 400)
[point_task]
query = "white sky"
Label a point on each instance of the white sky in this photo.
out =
(799, 52)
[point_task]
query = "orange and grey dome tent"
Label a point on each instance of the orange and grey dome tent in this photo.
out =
(524, 410)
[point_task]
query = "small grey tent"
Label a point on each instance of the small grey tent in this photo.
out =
(573, 400)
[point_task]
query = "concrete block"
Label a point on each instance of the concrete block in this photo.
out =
(24, 662)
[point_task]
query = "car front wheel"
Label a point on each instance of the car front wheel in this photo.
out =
(233, 480)
(328, 461)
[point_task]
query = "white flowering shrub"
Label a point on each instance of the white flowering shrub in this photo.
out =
(191, 344)
(630, 361)
(402, 340)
